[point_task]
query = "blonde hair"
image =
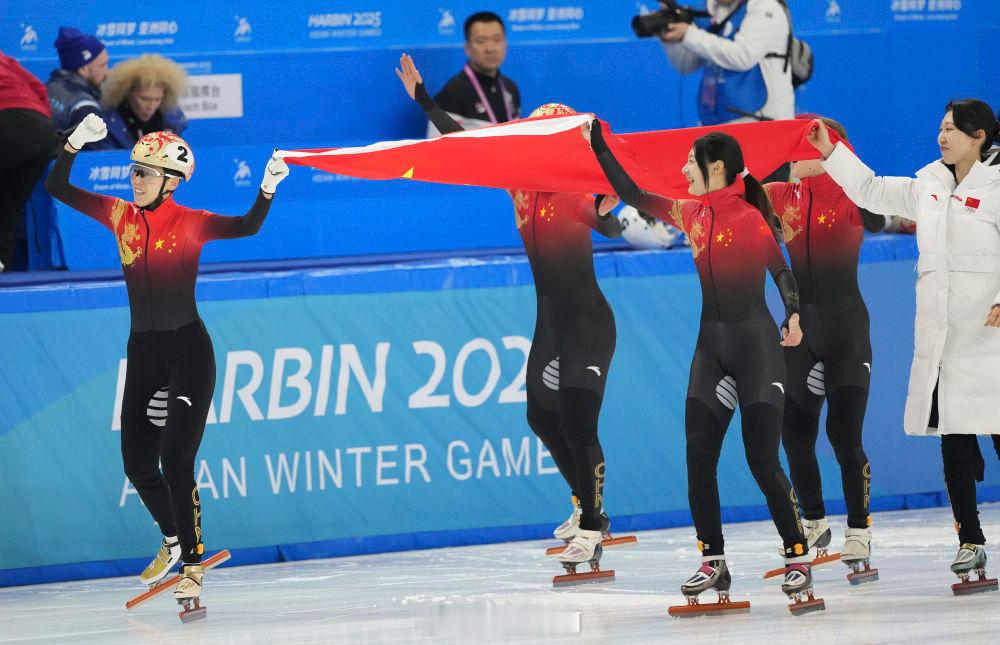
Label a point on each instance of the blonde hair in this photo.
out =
(149, 70)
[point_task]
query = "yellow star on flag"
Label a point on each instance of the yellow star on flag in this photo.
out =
(159, 244)
(822, 219)
(720, 237)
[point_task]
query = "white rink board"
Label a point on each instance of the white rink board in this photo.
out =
(396, 598)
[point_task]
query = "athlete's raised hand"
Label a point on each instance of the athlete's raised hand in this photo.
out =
(819, 137)
(408, 73)
(585, 131)
(791, 335)
(275, 172)
(90, 130)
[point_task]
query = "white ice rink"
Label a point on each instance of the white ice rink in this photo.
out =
(431, 596)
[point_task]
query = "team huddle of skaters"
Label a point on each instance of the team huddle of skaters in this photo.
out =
(778, 376)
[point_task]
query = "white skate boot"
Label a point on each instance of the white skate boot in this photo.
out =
(568, 529)
(584, 547)
(971, 558)
(168, 556)
(818, 535)
(857, 555)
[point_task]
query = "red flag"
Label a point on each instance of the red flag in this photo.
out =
(972, 202)
(549, 154)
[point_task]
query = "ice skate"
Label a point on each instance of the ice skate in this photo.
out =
(971, 558)
(818, 535)
(168, 556)
(568, 529)
(712, 574)
(172, 581)
(856, 555)
(798, 586)
(585, 547)
(188, 593)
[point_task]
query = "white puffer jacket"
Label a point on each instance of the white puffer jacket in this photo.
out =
(958, 282)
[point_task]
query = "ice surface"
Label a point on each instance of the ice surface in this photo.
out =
(503, 593)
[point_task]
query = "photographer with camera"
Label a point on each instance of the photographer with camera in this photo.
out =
(747, 55)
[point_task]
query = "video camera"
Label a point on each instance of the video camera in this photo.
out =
(652, 24)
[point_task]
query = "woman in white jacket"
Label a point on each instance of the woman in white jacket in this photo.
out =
(956, 359)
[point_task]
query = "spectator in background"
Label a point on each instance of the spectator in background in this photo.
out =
(742, 55)
(28, 141)
(74, 88)
(479, 95)
(140, 96)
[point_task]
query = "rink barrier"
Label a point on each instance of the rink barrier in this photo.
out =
(97, 288)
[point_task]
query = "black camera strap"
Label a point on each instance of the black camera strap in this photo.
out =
(717, 28)
(791, 38)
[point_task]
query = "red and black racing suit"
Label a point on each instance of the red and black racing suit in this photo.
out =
(574, 337)
(823, 230)
(737, 359)
(170, 375)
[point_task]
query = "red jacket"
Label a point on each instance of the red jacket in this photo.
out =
(20, 90)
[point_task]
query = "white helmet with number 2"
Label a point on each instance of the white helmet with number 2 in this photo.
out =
(165, 150)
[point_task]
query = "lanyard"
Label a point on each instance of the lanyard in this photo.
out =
(507, 101)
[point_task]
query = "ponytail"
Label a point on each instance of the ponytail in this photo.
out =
(757, 197)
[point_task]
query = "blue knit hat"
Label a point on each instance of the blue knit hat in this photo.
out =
(76, 48)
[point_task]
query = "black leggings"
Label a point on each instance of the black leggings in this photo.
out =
(737, 364)
(963, 467)
(832, 363)
(169, 383)
(571, 438)
(29, 142)
(567, 370)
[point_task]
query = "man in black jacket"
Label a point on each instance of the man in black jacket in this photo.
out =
(479, 95)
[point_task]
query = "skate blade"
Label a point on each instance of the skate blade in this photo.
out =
(974, 586)
(807, 606)
(588, 577)
(609, 542)
(862, 577)
(826, 559)
(710, 609)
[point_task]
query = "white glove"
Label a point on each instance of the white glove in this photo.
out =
(276, 170)
(91, 129)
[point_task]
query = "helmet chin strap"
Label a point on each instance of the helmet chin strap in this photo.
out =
(162, 197)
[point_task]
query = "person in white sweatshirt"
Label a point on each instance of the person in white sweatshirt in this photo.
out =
(953, 391)
(742, 58)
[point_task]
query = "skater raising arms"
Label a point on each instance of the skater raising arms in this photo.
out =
(823, 230)
(574, 337)
(731, 231)
(956, 356)
(169, 350)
